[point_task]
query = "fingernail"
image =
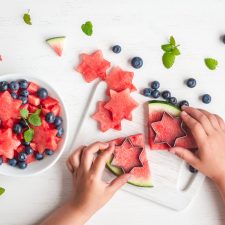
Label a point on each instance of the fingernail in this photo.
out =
(184, 107)
(184, 113)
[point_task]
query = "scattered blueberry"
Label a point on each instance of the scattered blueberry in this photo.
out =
(58, 121)
(22, 165)
(50, 117)
(25, 143)
(191, 82)
(192, 169)
(14, 95)
(206, 98)
(3, 86)
(23, 99)
(172, 100)
(1, 160)
(116, 49)
(155, 94)
(166, 94)
(137, 62)
(17, 128)
(12, 162)
(23, 123)
(42, 93)
(14, 86)
(28, 150)
(23, 84)
(184, 102)
(39, 156)
(24, 92)
(147, 92)
(155, 85)
(22, 156)
(60, 132)
(49, 151)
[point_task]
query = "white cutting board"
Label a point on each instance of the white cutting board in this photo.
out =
(174, 185)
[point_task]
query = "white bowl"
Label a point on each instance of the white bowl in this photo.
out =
(37, 167)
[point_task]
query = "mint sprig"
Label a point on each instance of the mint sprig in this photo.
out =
(170, 52)
(28, 135)
(87, 28)
(211, 63)
(27, 18)
(2, 190)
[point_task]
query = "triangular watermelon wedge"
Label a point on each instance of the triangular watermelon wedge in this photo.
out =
(57, 44)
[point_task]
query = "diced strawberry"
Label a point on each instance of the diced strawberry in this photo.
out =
(33, 88)
(55, 110)
(34, 100)
(49, 102)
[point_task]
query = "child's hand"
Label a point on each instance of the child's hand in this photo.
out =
(90, 192)
(209, 133)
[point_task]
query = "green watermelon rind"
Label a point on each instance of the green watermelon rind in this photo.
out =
(55, 39)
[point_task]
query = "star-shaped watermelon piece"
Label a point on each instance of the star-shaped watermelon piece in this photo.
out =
(164, 133)
(127, 156)
(8, 143)
(104, 118)
(9, 107)
(119, 80)
(93, 66)
(121, 105)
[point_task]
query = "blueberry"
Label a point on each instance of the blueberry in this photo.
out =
(3, 86)
(23, 84)
(206, 98)
(137, 62)
(116, 49)
(50, 117)
(24, 92)
(184, 102)
(155, 94)
(22, 156)
(22, 165)
(23, 99)
(42, 93)
(58, 121)
(60, 132)
(14, 95)
(172, 100)
(166, 94)
(17, 128)
(12, 162)
(25, 143)
(191, 82)
(23, 123)
(147, 92)
(28, 150)
(39, 156)
(14, 86)
(49, 151)
(192, 169)
(155, 85)
(1, 160)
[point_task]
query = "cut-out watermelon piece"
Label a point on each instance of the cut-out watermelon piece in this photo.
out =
(57, 44)
(119, 80)
(34, 100)
(156, 111)
(121, 105)
(93, 66)
(140, 174)
(33, 88)
(9, 107)
(164, 133)
(8, 143)
(104, 118)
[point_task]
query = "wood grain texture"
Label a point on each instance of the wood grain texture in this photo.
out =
(140, 27)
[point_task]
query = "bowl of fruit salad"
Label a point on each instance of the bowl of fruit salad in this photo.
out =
(33, 125)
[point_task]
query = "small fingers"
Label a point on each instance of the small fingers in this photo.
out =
(221, 122)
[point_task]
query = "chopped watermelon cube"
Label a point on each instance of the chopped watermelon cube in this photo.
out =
(49, 102)
(55, 110)
(33, 88)
(34, 100)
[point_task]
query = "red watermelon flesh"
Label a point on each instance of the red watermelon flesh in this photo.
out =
(34, 100)
(119, 80)
(57, 44)
(33, 88)
(93, 66)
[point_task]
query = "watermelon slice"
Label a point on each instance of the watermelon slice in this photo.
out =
(121, 105)
(93, 66)
(156, 111)
(119, 80)
(135, 163)
(57, 44)
(104, 118)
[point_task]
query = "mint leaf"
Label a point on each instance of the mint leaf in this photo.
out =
(35, 120)
(167, 47)
(172, 41)
(2, 190)
(24, 113)
(168, 59)
(87, 28)
(211, 63)
(28, 135)
(37, 112)
(176, 51)
(26, 18)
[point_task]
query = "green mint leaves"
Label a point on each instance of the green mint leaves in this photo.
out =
(26, 18)
(170, 52)
(211, 63)
(87, 28)
(32, 119)
(2, 190)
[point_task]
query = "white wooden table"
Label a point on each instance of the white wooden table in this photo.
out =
(140, 27)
